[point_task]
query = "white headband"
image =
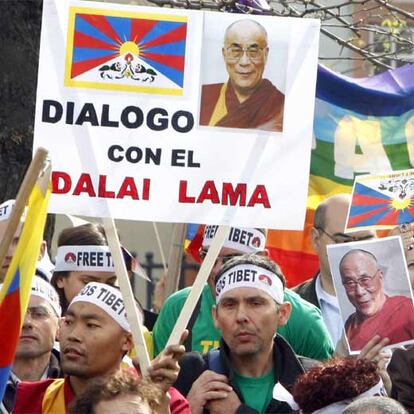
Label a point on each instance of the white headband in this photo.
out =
(81, 258)
(337, 407)
(245, 240)
(6, 208)
(107, 298)
(249, 275)
(47, 292)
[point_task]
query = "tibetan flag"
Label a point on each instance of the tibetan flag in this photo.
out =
(361, 126)
(138, 52)
(15, 293)
(382, 201)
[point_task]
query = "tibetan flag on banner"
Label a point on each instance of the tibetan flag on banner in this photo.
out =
(382, 201)
(120, 50)
(361, 126)
(15, 292)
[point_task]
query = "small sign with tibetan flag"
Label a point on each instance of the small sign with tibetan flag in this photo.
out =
(382, 201)
(15, 292)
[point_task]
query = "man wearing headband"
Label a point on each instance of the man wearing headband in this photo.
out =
(94, 337)
(44, 265)
(254, 367)
(305, 330)
(35, 357)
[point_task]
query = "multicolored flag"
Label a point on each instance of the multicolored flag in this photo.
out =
(361, 126)
(119, 50)
(15, 292)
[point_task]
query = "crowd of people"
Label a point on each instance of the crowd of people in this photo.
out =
(252, 345)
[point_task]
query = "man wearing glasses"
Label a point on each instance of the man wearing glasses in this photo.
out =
(246, 100)
(329, 228)
(375, 312)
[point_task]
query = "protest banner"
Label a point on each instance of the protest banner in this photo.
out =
(118, 107)
(381, 201)
(374, 292)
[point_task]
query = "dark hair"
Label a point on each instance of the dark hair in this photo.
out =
(123, 382)
(92, 234)
(253, 259)
(333, 381)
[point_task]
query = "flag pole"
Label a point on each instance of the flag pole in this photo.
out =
(32, 174)
(199, 283)
(126, 290)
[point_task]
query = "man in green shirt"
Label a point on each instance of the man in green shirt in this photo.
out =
(254, 369)
(305, 331)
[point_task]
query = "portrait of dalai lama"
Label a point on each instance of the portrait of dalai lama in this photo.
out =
(246, 99)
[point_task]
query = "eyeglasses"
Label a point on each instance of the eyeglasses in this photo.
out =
(224, 259)
(38, 313)
(236, 52)
(366, 282)
(344, 238)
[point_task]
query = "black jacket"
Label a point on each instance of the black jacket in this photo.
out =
(287, 368)
(307, 291)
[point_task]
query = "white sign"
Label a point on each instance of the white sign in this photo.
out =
(177, 115)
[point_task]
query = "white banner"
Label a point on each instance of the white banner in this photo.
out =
(176, 115)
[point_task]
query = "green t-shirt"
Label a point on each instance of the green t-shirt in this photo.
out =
(257, 392)
(305, 330)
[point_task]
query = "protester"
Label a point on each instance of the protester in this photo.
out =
(35, 357)
(246, 100)
(305, 330)
(401, 371)
(329, 228)
(121, 392)
(94, 337)
(44, 265)
(240, 377)
(331, 386)
(375, 405)
(390, 317)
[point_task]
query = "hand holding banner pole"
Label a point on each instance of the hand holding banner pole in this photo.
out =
(199, 283)
(129, 302)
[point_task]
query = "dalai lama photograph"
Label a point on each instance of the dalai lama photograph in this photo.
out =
(245, 98)
(373, 290)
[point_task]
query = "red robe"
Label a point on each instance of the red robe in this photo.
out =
(395, 321)
(29, 398)
(262, 110)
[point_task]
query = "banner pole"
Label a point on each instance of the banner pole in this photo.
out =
(127, 294)
(199, 283)
(29, 181)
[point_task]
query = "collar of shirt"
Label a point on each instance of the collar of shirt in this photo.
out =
(322, 295)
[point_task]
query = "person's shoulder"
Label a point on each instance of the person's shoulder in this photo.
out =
(211, 91)
(177, 297)
(394, 303)
(302, 304)
(28, 386)
(269, 84)
(192, 365)
(29, 396)
(303, 287)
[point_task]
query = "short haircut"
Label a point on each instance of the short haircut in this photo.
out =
(319, 219)
(253, 259)
(123, 382)
(259, 26)
(355, 251)
(381, 405)
(332, 381)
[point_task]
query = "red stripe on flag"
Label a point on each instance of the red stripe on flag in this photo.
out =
(176, 62)
(174, 36)
(354, 220)
(390, 218)
(102, 25)
(296, 266)
(80, 67)
(364, 200)
(9, 327)
(139, 28)
(83, 40)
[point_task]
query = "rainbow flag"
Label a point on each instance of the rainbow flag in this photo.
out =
(15, 292)
(361, 126)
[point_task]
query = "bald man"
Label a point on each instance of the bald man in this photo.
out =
(376, 313)
(246, 100)
(329, 228)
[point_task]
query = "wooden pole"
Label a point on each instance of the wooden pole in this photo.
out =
(175, 258)
(126, 290)
(29, 181)
(199, 283)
